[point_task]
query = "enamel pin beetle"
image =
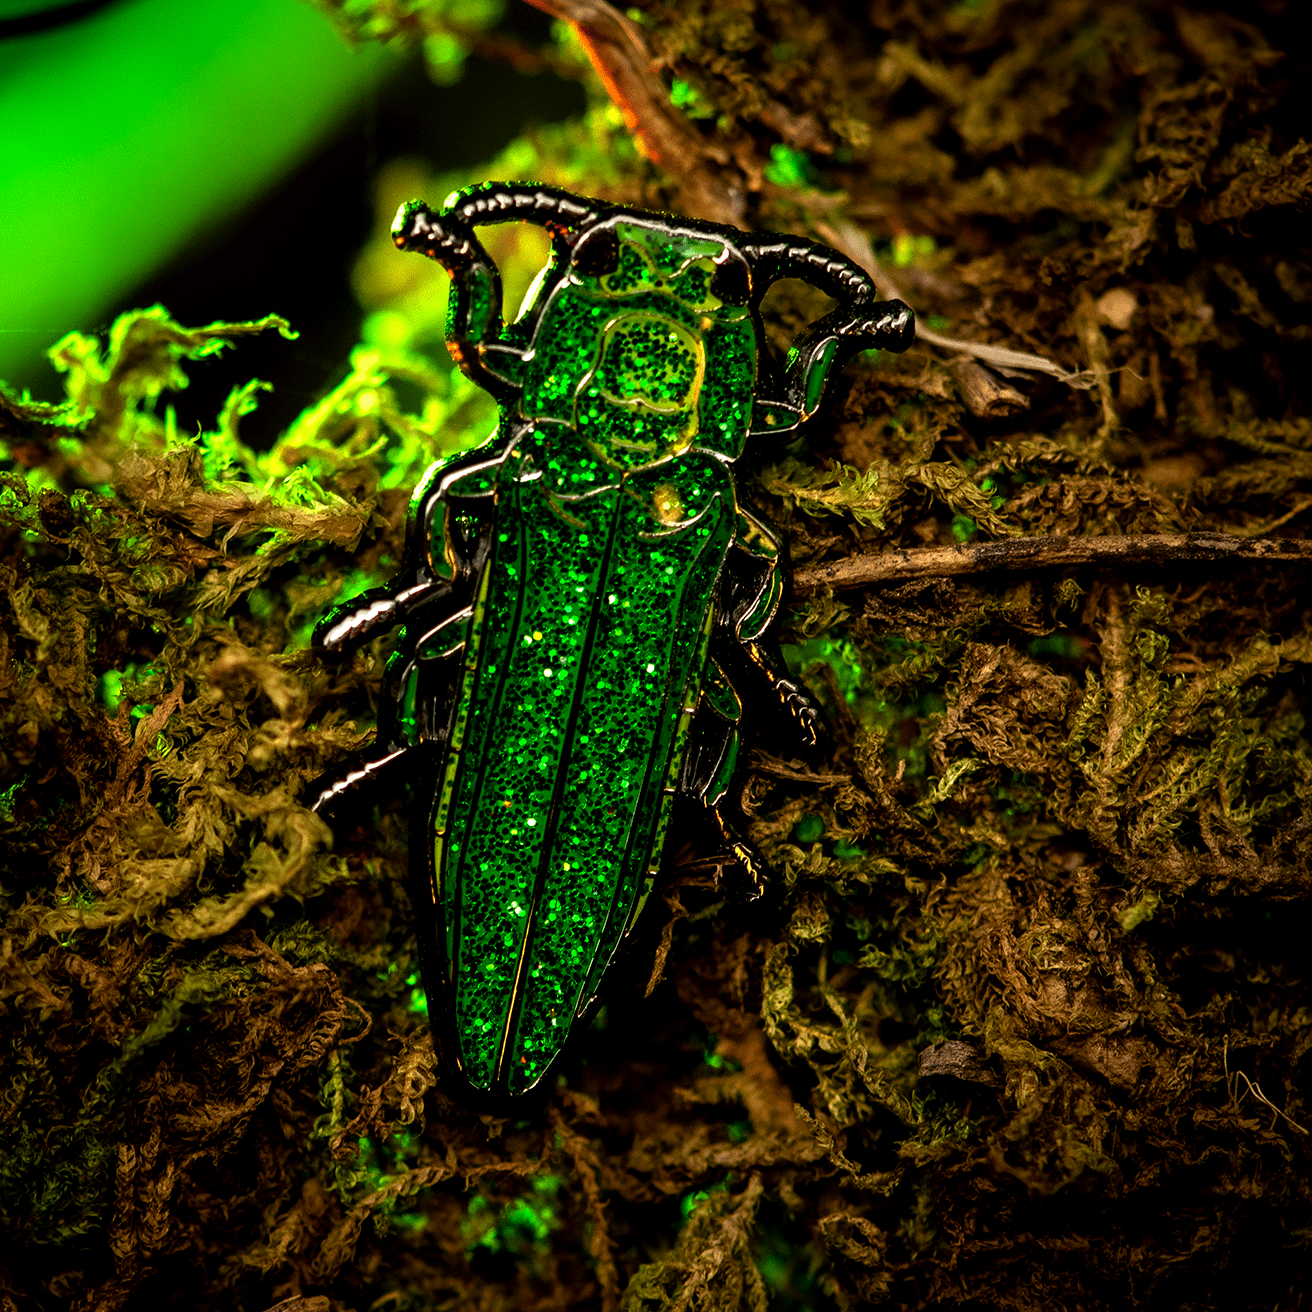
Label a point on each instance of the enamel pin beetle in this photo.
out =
(583, 597)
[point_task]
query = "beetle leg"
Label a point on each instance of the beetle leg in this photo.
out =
(751, 592)
(372, 613)
(445, 547)
(767, 663)
(709, 765)
(475, 323)
(860, 323)
(327, 794)
(744, 853)
(819, 353)
(421, 677)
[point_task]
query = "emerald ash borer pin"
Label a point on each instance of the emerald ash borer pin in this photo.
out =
(585, 599)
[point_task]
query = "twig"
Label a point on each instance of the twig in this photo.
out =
(847, 237)
(1232, 1087)
(985, 394)
(1090, 333)
(1047, 553)
(624, 62)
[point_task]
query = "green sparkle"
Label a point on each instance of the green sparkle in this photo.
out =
(646, 360)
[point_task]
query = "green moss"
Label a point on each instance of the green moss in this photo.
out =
(521, 1228)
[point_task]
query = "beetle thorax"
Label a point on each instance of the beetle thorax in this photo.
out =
(622, 356)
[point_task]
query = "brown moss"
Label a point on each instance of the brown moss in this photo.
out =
(1023, 1022)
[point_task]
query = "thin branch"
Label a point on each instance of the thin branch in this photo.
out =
(624, 62)
(1232, 1087)
(846, 237)
(1015, 554)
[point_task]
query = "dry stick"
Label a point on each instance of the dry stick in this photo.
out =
(623, 60)
(1013, 554)
(846, 237)
(984, 393)
(1089, 331)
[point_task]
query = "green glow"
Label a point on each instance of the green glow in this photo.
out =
(111, 689)
(686, 97)
(689, 1203)
(26, 8)
(838, 653)
(789, 168)
(963, 528)
(809, 829)
(521, 1227)
(9, 796)
(126, 133)
(908, 249)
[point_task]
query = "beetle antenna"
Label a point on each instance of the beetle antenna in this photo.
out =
(526, 202)
(773, 256)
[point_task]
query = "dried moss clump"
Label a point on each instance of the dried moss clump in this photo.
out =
(1024, 1021)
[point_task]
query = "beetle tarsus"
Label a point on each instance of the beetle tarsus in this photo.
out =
(764, 663)
(885, 325)
(745, 855)
(439, 236)
(327, 793)
(805, 715)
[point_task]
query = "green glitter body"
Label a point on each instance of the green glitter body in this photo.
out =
(586, 653)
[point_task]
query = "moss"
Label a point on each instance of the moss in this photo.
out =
(1063, 824)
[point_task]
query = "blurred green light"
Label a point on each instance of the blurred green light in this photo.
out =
(789, 168)
(10, 10)
(127, 133)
